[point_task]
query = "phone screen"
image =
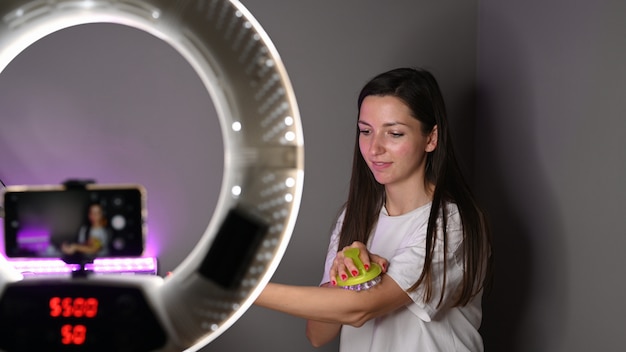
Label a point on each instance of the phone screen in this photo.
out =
(98, 221)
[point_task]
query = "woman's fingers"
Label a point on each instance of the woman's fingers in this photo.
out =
(384, 263)
(344, 266)
(338, 269)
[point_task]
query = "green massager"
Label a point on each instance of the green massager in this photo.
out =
(366, 279)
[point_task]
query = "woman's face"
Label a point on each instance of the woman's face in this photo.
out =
(96, 215)
(392, 142)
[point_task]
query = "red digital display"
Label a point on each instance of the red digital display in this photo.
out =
(77, 307)
(73, 307)
(77, 315)
(73, 334)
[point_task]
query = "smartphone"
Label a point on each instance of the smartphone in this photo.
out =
(94, 220)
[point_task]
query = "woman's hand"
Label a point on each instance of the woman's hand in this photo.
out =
(344, 266)
(68, 248)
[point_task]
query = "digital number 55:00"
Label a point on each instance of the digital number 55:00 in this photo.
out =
(69, 307)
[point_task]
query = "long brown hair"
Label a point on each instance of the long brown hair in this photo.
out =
(420, 91)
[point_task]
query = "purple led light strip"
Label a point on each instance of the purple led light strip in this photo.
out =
(141, 265)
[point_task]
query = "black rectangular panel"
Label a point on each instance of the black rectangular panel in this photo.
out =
(233, 249)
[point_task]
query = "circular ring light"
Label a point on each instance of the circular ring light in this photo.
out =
(263, 145)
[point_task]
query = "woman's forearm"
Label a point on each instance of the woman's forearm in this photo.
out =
(320, 333)
(313, 303)
(334, 305)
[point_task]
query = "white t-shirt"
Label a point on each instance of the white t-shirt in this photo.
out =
(419, 326)
(99, 234)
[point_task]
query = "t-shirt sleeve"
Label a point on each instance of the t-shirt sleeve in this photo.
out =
(406, 266)
(332, 250)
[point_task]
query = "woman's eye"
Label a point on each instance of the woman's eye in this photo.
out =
(396, 134)
(364, 131)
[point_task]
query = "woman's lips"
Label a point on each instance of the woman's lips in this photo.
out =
(379, 165)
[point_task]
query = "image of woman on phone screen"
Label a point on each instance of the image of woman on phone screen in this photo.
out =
(93, 238)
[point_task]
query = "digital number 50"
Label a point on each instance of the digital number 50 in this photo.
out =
(73, 334)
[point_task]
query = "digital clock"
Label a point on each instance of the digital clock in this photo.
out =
(77, 315)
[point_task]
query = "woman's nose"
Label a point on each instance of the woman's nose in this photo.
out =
(376, 147)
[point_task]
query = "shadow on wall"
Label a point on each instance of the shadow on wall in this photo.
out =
(525, 309)
(505, 305)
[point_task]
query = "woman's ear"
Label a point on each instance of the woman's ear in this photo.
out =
(432, 140)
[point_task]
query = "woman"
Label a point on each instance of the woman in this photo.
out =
(93, 238)
(409, 204)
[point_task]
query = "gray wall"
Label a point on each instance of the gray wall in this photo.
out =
(550, 165)
(534, 93)
(117, 105)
